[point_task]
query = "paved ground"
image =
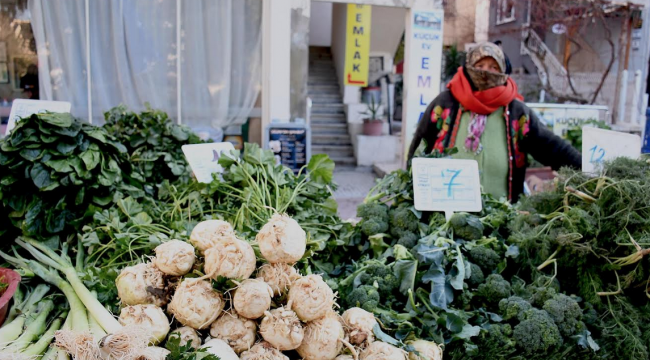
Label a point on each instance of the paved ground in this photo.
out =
(354, 184)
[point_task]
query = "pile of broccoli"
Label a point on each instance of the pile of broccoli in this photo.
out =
(371, 283)
(534, 321)
(401, 223)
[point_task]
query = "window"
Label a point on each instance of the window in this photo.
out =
(505, 11)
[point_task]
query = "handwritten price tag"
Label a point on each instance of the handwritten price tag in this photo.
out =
(204, 159)
(21, 108)
(600, 145)
(446, 185)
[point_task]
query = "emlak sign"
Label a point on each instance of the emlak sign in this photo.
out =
(357, 45)
(422, 77)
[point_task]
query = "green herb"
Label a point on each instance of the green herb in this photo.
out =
(153, 142)
(56, 170)
(186, 352)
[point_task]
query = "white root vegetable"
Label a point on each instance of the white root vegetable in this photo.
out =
(311, 297)
(149, 316)
(231, 258)
(187, 334)
(381, 351)
(323, 338)
(252, 298)
(282, 240)
(152, 353)
(235, 330)
(196, 304)
(207, 233)
(428, 350)
(141, 284)
(124, 343)
(221, 349)
(263, 351)
(344, 357)
(174, 257)
(358, 326)
(279, 276)
(282, 329)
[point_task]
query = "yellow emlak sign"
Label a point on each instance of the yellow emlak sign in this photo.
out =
(357, 45)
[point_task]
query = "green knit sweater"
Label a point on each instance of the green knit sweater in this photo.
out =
(493, 159)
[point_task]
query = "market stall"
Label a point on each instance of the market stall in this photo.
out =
(123, 254)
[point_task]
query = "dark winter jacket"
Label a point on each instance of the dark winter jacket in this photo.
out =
(525, 132)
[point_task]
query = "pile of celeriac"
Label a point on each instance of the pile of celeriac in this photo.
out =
(237, 310)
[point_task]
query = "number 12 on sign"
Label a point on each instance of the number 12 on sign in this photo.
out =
(597, 154)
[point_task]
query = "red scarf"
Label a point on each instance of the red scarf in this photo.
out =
(482, 102)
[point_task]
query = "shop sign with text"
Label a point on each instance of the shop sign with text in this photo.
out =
(357, 45)
(422, 82)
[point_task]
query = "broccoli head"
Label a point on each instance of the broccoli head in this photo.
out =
(496, 342)
(464, 299)
(374, 218)
(365, 297)
(372, 211)
(513, 307)
(485, 257)
(477, 277)
(536, 333)
(403, 219)
(466, 226)
(541, 294)
(380, 276)
(372, 227)
(494, 289)
(408, 239)
(566, 313)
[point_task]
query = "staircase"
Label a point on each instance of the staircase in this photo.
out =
(328, 121)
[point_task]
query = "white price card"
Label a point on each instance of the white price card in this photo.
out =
(600, 145)
(204, 159)
(446, 185)
(21, 108)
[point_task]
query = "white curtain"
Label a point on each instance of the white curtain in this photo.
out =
(133, 56)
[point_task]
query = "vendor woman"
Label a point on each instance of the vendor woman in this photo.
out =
(483, 115)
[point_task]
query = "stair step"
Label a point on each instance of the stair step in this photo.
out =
(327, 117)
(320, 50)
(344, 161)
(329, 80)
(328, 97)
(333, 150)
(321, 57)
(329, 129)
(315, 92)
(321, 69)
(318, 139)
(321, 62)
(318, 100)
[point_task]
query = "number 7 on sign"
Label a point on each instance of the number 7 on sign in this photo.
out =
(453, 174)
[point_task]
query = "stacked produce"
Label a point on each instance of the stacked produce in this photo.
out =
(153, 143)
(561, 275)
(56, 171)
(290, 313)
(112, 222)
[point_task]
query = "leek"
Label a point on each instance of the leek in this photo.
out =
(48, 257)
(33, 330)
(41, 345)
(17, 301)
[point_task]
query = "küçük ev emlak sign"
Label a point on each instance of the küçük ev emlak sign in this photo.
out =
(422, 80)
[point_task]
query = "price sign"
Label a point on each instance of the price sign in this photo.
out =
(600, 145)
(21, 108)
(204, 159)
(446, 185)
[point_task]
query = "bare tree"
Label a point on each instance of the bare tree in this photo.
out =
(575, 19)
